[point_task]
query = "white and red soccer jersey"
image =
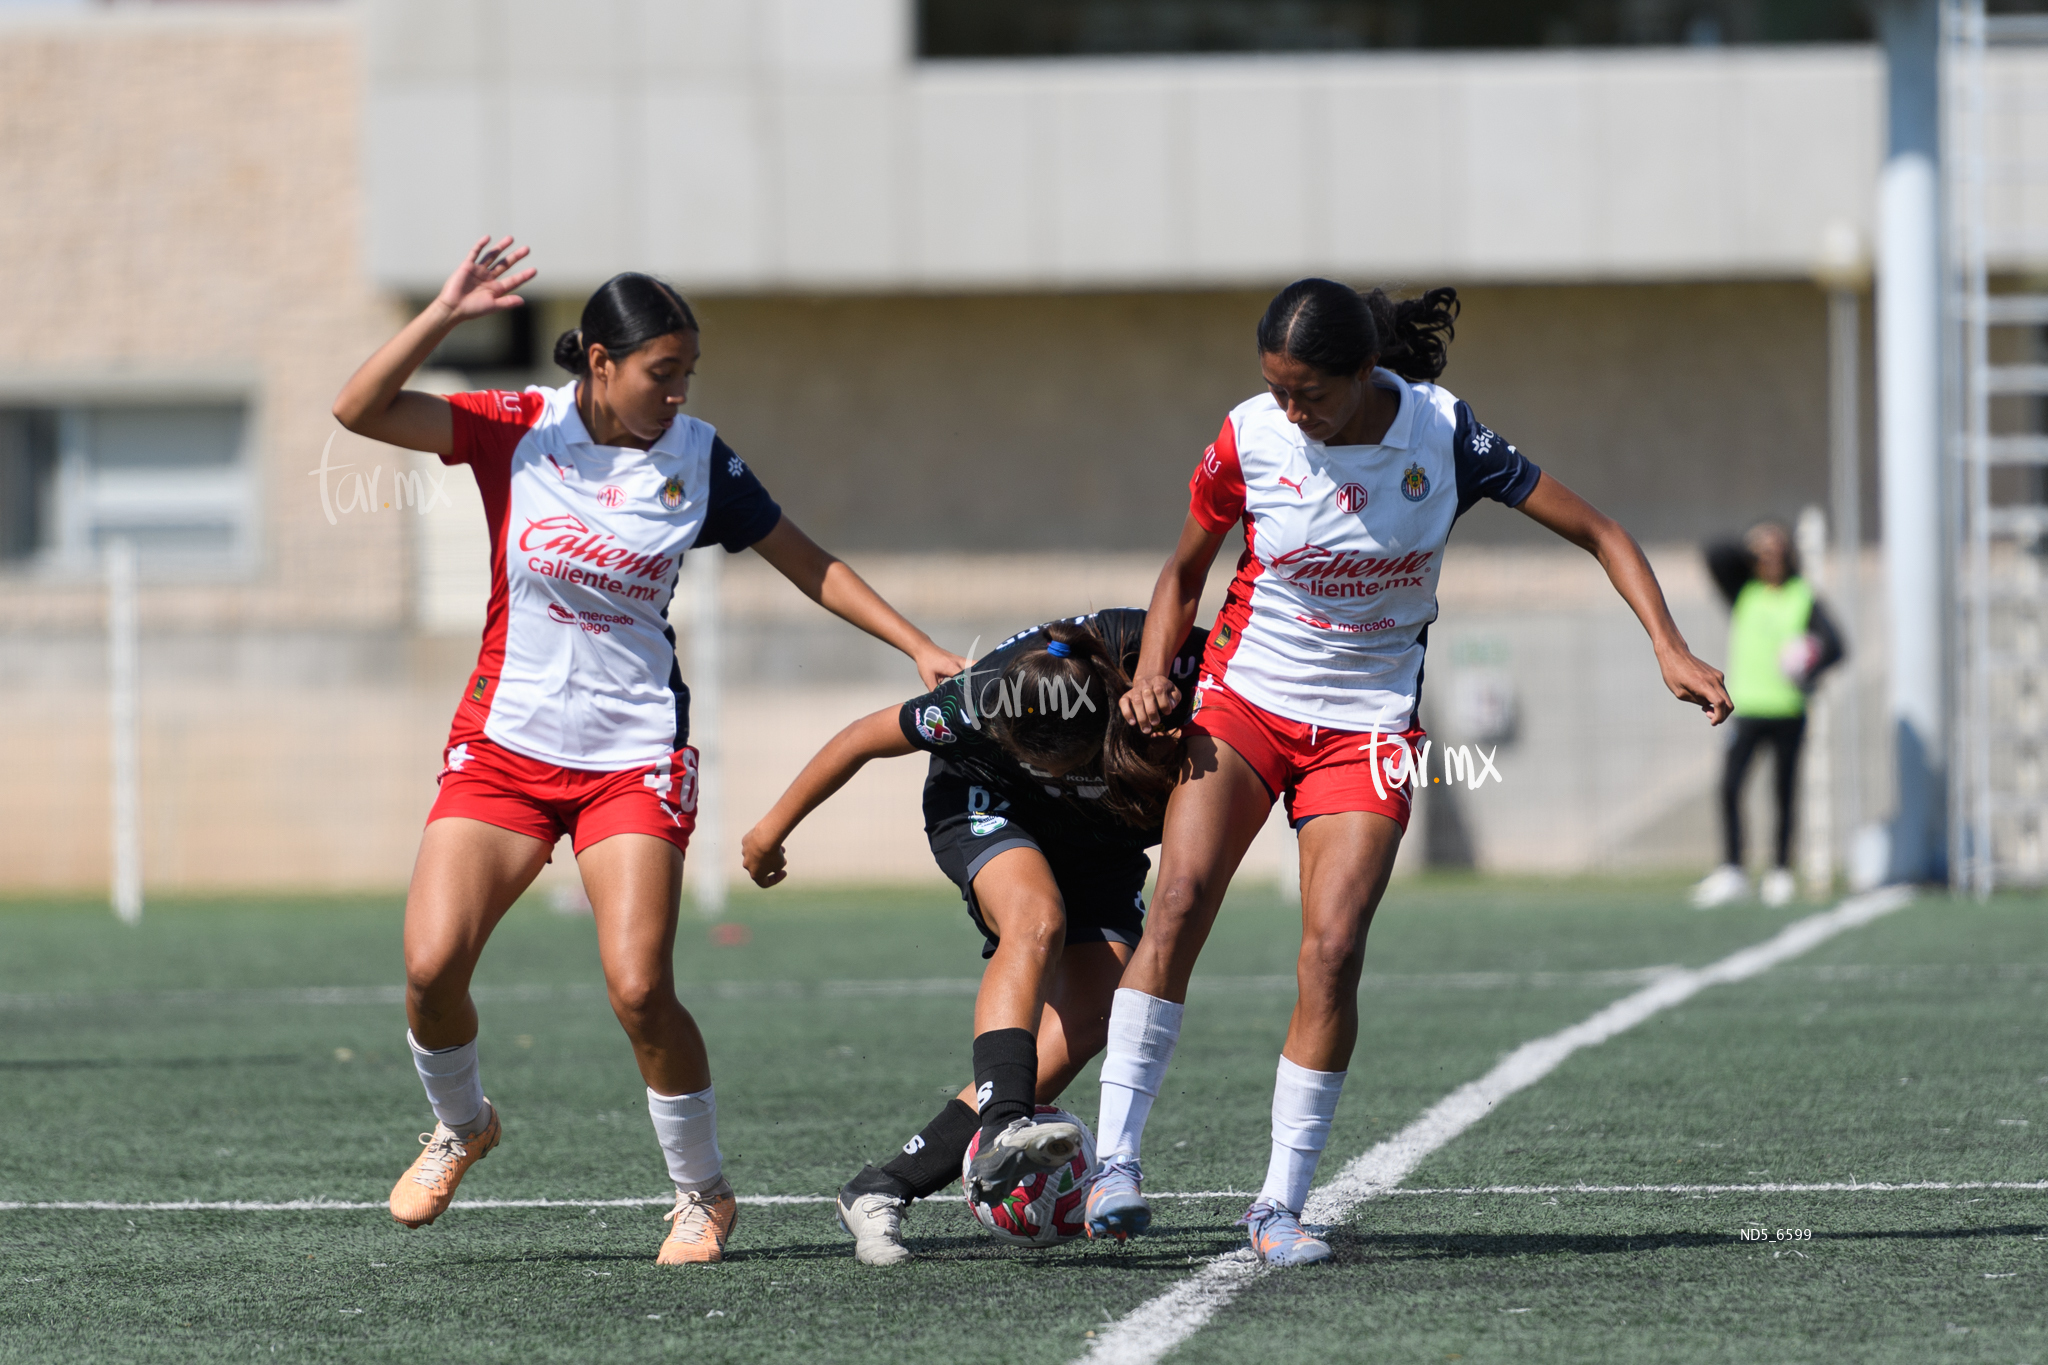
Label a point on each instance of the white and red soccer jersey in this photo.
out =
(1326, 620)
(578, 666)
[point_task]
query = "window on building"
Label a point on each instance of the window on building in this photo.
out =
(172, 478)
(493, 344)
(1072, 28)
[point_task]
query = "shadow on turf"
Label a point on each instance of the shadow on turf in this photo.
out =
(1149, 1254)
(1423, 1246)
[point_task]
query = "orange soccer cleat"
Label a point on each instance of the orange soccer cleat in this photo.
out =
(424, 1192)
(699, 1224)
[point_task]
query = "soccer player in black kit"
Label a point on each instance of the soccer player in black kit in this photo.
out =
(1040, 804)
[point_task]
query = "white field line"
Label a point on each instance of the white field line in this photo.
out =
(1460, 1192)
(886, 989)
(351, 1205)
(1157, 1326)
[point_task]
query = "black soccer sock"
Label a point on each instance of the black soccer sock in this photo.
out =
(928, 1162)
(1005, 1077)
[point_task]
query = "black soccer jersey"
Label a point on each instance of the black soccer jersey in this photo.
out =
(948, 724)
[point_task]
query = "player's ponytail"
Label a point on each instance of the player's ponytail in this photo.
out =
(1335, 329)
(625, 313)
(1049, 726)
(1415, 334)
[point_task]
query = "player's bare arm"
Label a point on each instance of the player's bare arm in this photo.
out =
(870, 737)
(375, 403)
(1691, 680)
(1175, 599)
(830, 582)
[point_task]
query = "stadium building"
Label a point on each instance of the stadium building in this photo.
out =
(975, 296)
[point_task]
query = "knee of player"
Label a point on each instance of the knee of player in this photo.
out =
(1332, 957)
(638, 999)
(1174, 900)
(433, 985)
(1039, 928)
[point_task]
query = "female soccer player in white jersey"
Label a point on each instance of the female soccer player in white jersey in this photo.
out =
(1347, 474)
(576, 719)
(1039, 805)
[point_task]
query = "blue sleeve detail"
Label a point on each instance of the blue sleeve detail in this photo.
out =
(1487, 466)
(740, 512)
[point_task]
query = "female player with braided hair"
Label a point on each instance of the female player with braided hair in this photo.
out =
(1040, 802)
(1347, 474)
(576, 720)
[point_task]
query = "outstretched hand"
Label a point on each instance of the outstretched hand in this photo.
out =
(1693, 680)
(484, 282)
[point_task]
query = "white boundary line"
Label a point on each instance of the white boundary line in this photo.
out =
(1156, 1327)
(351, 1205)
(1447, 1192)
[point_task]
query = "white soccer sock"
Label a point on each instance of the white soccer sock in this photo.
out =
(1142, 1032)
(453, 1087)
(1304, 1103)
(687, 1128)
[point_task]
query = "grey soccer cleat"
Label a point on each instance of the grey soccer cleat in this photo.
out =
(876, 1223)
(1279, 1238)
(1025, 1148)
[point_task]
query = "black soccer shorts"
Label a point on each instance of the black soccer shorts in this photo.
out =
(1103, 886)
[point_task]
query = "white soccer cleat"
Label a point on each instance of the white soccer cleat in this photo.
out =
(876, 1223)
(1778, 888)
(1028, 1145)
(1723, 885)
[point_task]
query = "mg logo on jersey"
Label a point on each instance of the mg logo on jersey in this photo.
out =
(611, 495)
(1351, 498)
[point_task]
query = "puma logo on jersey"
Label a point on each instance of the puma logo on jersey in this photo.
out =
(1292, 483)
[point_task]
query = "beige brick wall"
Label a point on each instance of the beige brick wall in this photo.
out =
(182, 195)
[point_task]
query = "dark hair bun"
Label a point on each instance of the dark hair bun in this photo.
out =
(570, 352)
(625, 313)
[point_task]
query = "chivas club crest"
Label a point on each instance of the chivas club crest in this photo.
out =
(672, 494)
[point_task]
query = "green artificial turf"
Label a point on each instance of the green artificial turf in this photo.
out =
(198, 1057)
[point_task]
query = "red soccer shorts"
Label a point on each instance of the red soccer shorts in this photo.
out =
(1320, 771)
(482, 781)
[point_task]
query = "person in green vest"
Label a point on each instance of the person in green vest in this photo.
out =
(1780, 640)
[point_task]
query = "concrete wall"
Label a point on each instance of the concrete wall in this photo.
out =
(1022, 422)
(796, 144)
(180, 214)
(186, 206)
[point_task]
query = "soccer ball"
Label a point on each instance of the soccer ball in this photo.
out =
(1046, 1208)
